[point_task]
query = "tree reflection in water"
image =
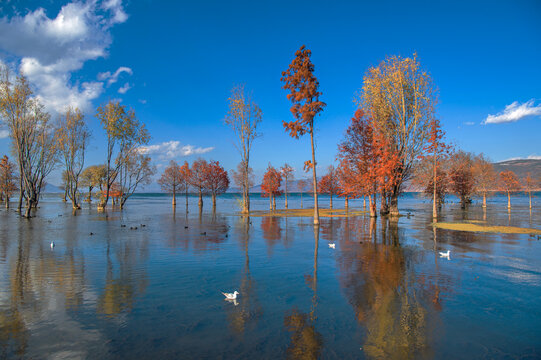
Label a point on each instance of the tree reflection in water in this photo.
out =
(306, 341)
(380, 285)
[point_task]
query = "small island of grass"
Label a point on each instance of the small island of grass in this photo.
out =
(472, 227)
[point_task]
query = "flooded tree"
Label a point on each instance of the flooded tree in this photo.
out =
(8, 179)
(509, 183)
(461, 176)
(171, 180)
(185, 175)
(32, 136)
(529, 186)
(216, 180)
(243, 118)
(197, 178)
(303, 87)
(136, 170)
(93, 177)
(270, 187)
(72, 140)
(400, 96)
(484, 176)
(124, 134)
(301, 187)
(328, 184)
(287, 175)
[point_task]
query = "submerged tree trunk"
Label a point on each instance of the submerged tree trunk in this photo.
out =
(200, 202)
(174, 197)
(286, 194)
(301, 199)
(384, 207)
(346, 203)
(393, 206)
(330, 204)
(213, 201)
(273, 202)
(485, 199)
(372, 205)
(508, 200)
(316, 208)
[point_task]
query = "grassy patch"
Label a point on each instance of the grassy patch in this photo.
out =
(308, 213)
(485, 228)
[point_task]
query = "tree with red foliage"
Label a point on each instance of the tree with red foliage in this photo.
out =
(171, 180)
(461, 176)
(197, 178)
(287, 174)
(270, 187)
(216, 180)
(328, 184)
(304, 93)
(347, 185)
(509, 183)
(185, 176)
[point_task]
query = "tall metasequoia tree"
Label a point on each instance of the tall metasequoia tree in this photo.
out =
(400, 97)
(484, 176)
(72, 140)
(304, 94)
(170, 181)
(243, 117)
(329, 184)
(509, 183)
(124, 134)
(270, 187)
(185, 175)
(32, 136)
(216, 180)
(8, 179)
(287, 175)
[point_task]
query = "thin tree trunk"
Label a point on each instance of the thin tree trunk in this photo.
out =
(301, 199)
(316, 208)
(186, 198)
(508, 200)
(331, 202)
(346, 203)
(530, 194)
(485, 199)
(174, 197)
(274, 202)
(213, 201)
(434, 207)
(364, 202)
(200, 203)
(384, 207)
(372, 205)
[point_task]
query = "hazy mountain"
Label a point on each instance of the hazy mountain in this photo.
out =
(520, 167)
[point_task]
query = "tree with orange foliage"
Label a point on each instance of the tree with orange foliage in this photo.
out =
(270, 187)
(171, 180)
(304, 94)
(185, 176)
(529, 186)
(216, 180)
(8, 179)
(301, 186)
(287, 174)
(484, 176)
(347, 185)
(509, 183)
(328, 184)
(197, 178)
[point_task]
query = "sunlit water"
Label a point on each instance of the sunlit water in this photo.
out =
(154, 292)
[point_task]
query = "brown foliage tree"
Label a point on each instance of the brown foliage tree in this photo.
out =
(529, 186)
(329, 184)
(8, 179)
(197, 178)
(484, 176)
(509, 183)
(270, 187)
(171, 180)
(304, 93)
(216, 180)
(93, 177)
(287, 175)
(185, 176)
(461, 176)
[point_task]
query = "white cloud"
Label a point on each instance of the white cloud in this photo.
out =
(113, 78)
(469, 123)
(172, 149)
(124, 89)
(4, 134)
(514, 112)
(51, 49)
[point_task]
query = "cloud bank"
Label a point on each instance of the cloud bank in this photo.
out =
(173, 149)
(529, 157)
(515, 112)
(51, 49)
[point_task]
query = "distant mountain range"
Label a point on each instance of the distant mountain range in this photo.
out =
(520, 167)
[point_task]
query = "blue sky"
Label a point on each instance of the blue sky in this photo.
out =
(175, 62)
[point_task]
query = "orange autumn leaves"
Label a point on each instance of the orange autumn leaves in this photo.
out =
(367, 161)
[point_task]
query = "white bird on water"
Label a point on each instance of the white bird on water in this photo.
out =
(231, 296)
(52, 244)
(332, 246)
(445, 254)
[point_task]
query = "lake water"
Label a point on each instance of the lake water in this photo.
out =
(154, 292)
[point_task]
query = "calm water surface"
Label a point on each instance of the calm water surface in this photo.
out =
(154, 292)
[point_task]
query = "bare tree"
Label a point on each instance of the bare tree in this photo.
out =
(171, 180)
(243, 117)
(72, 140)
(135, 170)
(287, 175)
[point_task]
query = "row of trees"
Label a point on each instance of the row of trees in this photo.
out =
(41, 145)
(204, 177)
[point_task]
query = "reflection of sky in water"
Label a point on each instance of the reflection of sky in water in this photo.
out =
(155, 291)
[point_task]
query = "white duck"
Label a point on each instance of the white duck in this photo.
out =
(332, 246)
(445, 254)
(52, 244)
(231, 296)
